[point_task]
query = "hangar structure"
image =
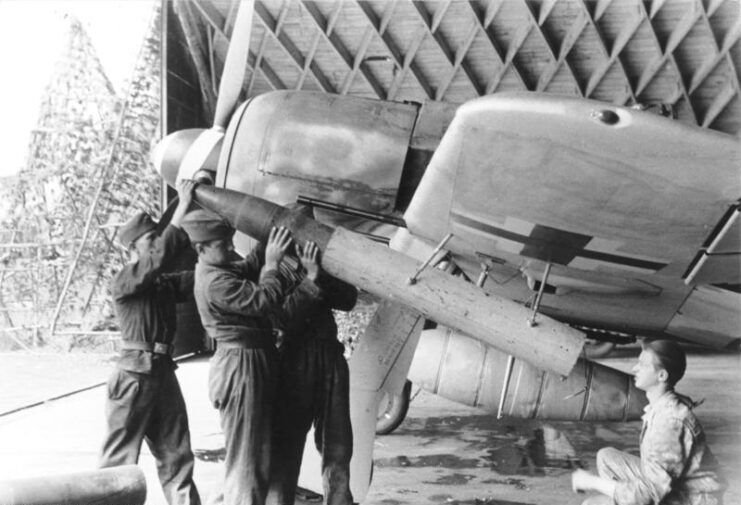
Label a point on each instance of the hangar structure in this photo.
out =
(677, 57)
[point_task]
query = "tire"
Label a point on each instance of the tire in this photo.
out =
(393, 410)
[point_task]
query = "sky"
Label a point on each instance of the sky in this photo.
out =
(31, 36)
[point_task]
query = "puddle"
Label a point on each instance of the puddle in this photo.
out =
(517, 483)
(457, 479)
(446, 498)
(513, 453)
(547, 448)
(434, 460)
(490, 501)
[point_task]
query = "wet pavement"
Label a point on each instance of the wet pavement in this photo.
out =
(443, 453)
(446, 453)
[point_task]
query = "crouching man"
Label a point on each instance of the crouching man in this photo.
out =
(675, 466)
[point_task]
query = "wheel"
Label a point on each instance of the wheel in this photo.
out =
(595, 349)
(392, 410)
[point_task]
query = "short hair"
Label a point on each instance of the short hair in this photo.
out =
(671, 357)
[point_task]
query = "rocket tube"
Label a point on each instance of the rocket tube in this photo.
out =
(383, 272)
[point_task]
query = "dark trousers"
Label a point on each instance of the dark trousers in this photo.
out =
(313, 388)
(151, 407)
(242, 384)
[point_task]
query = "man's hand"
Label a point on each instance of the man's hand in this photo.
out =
(278, 242)
(185, 189)
(309, 256)
(581, 481)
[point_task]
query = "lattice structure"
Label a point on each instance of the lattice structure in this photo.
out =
(87, 169)
(681, 55)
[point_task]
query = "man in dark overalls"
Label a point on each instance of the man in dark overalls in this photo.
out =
(144, 397)
(313, 388)
(234, 299)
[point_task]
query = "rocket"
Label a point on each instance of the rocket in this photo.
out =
(438, 296)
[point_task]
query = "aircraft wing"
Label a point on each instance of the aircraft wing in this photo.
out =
(578, 183)
(631, 210)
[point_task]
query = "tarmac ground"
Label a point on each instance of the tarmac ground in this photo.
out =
(443, 453)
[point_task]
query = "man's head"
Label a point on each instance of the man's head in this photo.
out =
(210, 235)
(662, 362)
(138, 233)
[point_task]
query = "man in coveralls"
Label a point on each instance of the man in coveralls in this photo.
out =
(313, 388)
(675, 466)
(234, 299)
(144, 397)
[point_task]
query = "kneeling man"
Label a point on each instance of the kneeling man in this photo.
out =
(675, 466)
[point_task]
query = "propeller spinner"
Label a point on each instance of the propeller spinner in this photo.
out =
(182, 154)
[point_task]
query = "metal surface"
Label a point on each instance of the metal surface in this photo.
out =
(468, 371)
(347, 152)
(383, 272)
(123, 485)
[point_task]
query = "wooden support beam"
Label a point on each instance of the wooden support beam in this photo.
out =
(290, 48)
(380, 27)
(613, 58)
(455, 58)
(485, 21)
(665, 54)
(719, 103)
(325, 28)
(576, 29)
(407, 64)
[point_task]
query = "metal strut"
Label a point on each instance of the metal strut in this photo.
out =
(413, 279)
(505, 386)
(510, 359)
(531, 322)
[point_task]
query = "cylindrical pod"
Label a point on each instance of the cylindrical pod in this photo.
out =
(450, 301)
(121, 485)
(468, 371)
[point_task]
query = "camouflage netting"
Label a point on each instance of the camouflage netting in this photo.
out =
(88, 159)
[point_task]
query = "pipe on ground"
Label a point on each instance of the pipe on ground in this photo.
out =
(122, 485)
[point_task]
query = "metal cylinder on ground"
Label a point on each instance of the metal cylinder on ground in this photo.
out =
(384, 272)
(468, 371)
(122, 485)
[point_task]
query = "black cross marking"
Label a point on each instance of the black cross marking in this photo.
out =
(556, 246)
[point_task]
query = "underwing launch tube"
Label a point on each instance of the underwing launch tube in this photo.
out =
(450, 301)
(468, 371)
(122, 485)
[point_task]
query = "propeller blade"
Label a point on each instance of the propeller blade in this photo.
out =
(235, 65)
